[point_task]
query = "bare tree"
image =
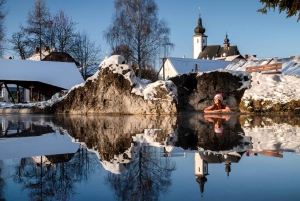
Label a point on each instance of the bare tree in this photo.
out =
(61, 32)
(136, 25)
(86, 53)
(37, 21)
(148, 176)
(20, 44)
(3, 13)
(123, 50)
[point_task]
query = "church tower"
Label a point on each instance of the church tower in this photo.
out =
(226, 43)
(199, 39)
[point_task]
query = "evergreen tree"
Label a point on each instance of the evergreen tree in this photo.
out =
(290, 7)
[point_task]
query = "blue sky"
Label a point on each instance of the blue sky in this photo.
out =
(271, 35)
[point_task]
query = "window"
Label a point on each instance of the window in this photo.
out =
(197, 40)
(13, 91)
(294, 65)
(1, 92)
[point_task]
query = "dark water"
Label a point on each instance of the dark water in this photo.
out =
(184, 157)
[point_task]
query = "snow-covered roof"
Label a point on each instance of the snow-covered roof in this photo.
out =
(290, 65)
(185, 65)
(61, 74)
(38, 56)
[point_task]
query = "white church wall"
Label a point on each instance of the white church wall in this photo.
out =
(197, 45)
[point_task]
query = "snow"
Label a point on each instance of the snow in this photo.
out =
(290, 66)
(140, 87)
(277, 88)
(185, 65)
(60, 74)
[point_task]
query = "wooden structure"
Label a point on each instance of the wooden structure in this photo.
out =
(269, 69)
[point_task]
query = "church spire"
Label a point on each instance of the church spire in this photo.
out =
(199, 29)
(226, 42)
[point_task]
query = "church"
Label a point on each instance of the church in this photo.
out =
(205, 57)
(210, 52)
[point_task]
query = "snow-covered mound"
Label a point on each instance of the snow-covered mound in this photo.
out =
(277, 88)
(115, 89)
(272, 92)
(116, 64)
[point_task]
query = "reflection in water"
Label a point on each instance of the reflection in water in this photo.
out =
(22, 126)
(2, 181)
(54, 177)
(145, 178)
(272, 135)
(137, 151)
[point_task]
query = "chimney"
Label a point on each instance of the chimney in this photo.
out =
(47, 48)
(37, 50)
(246, 56)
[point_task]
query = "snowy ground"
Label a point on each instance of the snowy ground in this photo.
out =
(279, 88)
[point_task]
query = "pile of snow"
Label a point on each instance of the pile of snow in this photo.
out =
(116, 64)
(278, 88)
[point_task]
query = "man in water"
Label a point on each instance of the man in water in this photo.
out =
(217, 106)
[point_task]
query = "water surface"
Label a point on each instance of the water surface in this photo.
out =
(186, 157)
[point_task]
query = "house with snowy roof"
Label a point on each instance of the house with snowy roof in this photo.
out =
(290, 65)
(174, 66)
(24, 80)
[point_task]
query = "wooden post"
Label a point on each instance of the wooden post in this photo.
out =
(18, 93)
(31, 95)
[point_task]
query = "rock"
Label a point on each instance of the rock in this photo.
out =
(115, 89)
(197, 90)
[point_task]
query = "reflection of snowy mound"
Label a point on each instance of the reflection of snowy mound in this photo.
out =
(150, 138)
(274, 137)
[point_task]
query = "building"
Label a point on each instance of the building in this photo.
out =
(203, 51)
(290, 65)
(174, 66)
(23, 80)
(205, 57)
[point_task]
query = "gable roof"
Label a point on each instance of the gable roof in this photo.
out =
(60, 74)
(185, 65)
(213, 51)
(232, 50)
(60, 57)
(209, 51)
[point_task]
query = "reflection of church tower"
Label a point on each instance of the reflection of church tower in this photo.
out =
(227, 167)
(201, 170)
(199, 39)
